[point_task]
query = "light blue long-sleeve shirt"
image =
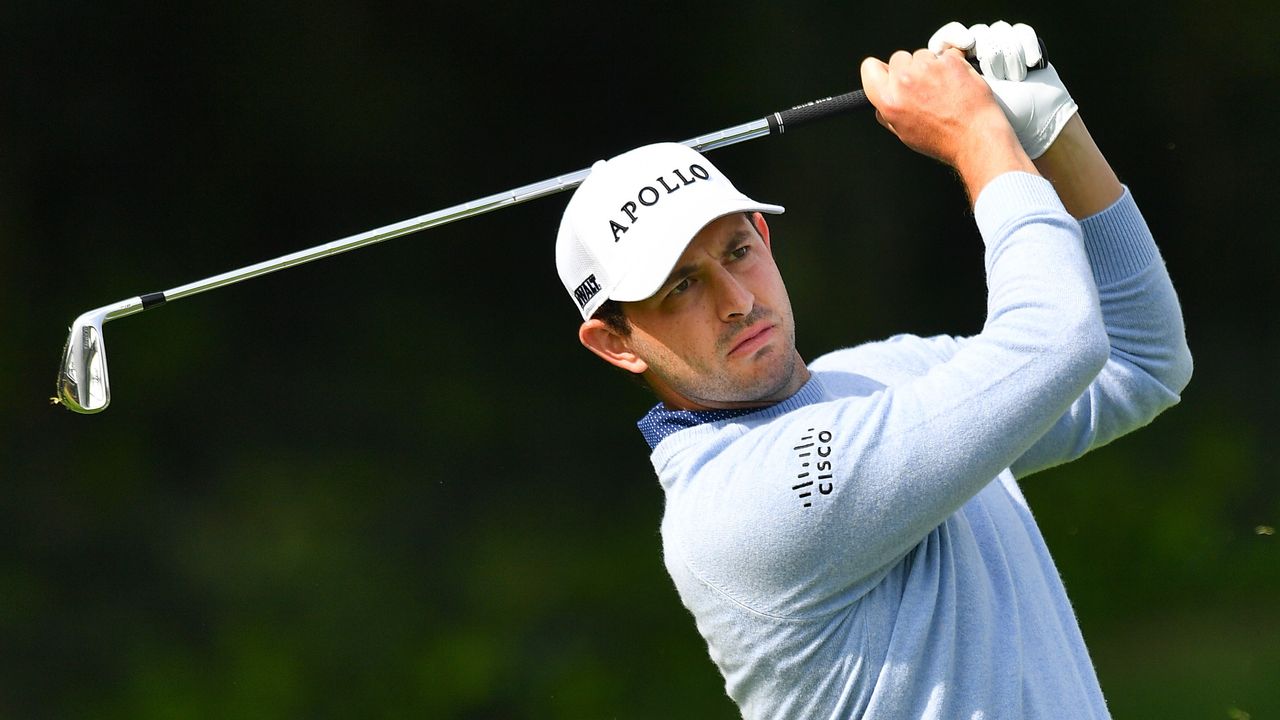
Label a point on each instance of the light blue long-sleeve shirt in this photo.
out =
(862, 550)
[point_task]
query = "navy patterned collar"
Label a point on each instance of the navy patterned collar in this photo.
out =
(660, 422)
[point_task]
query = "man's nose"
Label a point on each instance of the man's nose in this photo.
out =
(734, 300)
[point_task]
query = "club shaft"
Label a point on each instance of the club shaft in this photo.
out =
(82, 384)
(776, 123)
(405, 227)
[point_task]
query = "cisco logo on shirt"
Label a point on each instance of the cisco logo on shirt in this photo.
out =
(816, 472)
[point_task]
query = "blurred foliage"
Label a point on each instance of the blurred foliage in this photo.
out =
(392, 485)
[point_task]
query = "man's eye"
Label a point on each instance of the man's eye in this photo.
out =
(741, 252)
(679, 287)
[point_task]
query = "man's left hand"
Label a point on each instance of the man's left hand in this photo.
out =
(1035, 101)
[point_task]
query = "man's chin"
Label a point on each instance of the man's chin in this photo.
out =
(777, 385)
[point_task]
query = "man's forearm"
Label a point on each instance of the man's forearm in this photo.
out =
(1080, 174)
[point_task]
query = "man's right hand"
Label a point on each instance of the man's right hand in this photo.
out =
(938, 106)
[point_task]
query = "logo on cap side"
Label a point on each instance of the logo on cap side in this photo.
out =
(587, 290)
(649, 196)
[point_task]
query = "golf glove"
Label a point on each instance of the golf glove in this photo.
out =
(1036, 102)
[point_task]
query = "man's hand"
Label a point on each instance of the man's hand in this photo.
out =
(1040, 110)
(1036, 102)
(938, 106)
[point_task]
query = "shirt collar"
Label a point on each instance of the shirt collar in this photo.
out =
(662, 421)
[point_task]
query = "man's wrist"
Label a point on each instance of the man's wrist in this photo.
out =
(1079, 172)
(988, 153)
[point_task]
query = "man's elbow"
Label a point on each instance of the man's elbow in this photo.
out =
(1181, 367)
(1099, 352)
(1171, 363)
(1091, 348)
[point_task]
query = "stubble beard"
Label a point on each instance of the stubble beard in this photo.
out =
(714, 385)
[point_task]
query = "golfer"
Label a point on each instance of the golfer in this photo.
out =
(848, 532)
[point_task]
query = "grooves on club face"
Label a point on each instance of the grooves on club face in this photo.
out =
(82, 378)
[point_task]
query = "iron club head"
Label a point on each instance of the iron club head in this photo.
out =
(82, 378)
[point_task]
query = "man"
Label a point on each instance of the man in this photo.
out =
(848, 533)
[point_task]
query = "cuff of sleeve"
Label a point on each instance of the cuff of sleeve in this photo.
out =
(1118, 242)
(1012, 196)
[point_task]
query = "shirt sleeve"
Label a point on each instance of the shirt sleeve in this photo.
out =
(1149, 362)
(887, 467)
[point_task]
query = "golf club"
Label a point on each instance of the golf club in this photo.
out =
(82, 383)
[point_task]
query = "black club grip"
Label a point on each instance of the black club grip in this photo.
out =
(779, 122)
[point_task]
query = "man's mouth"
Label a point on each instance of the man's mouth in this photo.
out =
(755, 338)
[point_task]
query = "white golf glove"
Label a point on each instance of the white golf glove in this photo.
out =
(1036, 102)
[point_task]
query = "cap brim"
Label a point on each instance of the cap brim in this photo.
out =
(649, 269)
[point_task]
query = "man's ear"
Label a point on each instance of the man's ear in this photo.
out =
(762, 227)
(613, 347)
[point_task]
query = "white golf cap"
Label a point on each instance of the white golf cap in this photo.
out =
(631, 219)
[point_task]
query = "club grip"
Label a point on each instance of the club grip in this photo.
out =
(779, 122)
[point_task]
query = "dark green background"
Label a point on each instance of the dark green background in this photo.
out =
(393, 485)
